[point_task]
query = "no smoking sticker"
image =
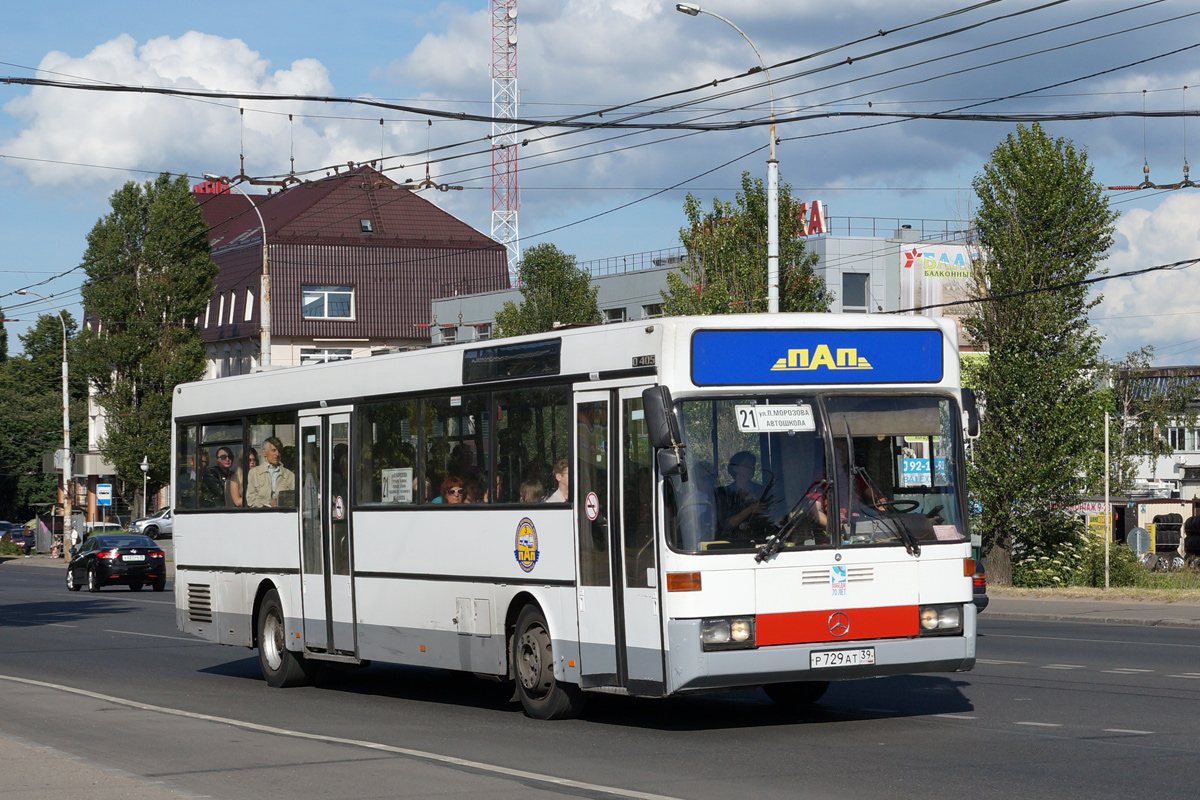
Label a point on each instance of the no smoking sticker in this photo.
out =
(592, 506)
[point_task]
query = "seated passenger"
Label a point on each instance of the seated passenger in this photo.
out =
(562, 476)
(737, 502)
(532, 491)
(452, 491)
(266, 482)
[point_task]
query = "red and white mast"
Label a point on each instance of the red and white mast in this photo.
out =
(504, 141)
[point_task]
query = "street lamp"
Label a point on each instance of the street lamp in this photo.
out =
(145, 465)
(264, 291)
(691, 9)
(67, 477)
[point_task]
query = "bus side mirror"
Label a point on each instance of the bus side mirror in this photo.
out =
(660, 417)
(971, 409)
(663, 428)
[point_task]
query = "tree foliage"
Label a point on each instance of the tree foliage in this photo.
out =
(31, 425)
(1043, 222)
(150, 277)
(553, 290)
(726, 267)
(1143, 403)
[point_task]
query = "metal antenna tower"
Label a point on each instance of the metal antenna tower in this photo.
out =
(504, 141)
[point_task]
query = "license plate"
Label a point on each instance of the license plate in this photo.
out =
(133, 558)
(842, 658)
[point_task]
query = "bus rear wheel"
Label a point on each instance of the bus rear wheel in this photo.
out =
(794, 695)
(541, 694)
(280, 667)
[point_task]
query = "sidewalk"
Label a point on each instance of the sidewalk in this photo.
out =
(43, 773)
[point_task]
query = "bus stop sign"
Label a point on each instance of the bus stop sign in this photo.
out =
(104, 494)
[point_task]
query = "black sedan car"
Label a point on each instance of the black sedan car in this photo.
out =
(117, 558)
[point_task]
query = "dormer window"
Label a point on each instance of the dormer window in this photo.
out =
(365, 224)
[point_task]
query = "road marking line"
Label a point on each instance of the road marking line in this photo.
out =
(994, 661)
(1192, 675)
(1124, 730)
(158, 636)
(1040, 724)
(61, 625)
(523, 776)
(1063, 666)
(956, 716)
(1125, 671)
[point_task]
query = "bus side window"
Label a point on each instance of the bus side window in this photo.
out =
(456, 445)
(387, 466)
(187, 478)
(533, 433)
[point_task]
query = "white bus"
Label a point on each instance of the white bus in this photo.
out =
(650, 508)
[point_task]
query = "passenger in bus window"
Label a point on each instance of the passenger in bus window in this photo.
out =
(266, 482)
(219, 488)
(237, 483)
(739, 501)
(452, 491)
(473, 487)
(562, 477)
(532, 491)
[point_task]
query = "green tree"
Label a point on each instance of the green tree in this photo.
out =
(726, 267)
(31, 425)
(1044, 225)
(1143, 403)
(553, 290)
(150, 276)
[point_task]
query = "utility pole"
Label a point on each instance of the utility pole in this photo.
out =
(67, 477)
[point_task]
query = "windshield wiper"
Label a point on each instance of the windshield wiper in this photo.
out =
(794, 515)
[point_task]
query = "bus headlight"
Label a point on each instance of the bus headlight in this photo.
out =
(730, 633)
(941, 620)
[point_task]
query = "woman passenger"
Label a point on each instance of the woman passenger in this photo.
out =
(453, 491)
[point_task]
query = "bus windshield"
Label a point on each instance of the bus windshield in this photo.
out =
(820, 471)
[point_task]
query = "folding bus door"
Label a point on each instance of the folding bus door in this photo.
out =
(638, 614)
(326, 534)
(591, 483)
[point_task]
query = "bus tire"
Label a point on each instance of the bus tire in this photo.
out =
(799, 693)
(540, 693)
(280, 667)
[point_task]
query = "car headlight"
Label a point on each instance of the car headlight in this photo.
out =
(941, 620)
(728, 633)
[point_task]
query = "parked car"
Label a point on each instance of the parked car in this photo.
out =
(90, 528)
(124, 559)
(20, 536)
(158, 525)
(980, 583)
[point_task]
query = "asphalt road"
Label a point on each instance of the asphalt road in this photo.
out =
(1062, 709)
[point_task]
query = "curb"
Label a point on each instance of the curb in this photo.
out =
(1166, 622)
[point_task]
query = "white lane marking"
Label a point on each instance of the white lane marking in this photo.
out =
(1040, 724)
(520, 775)
(1126, 671)
(1063, 666)
(956, 716)
(61, 625)
(1192, 675)
(157, 636)
(1091, 641)
(996, 661)
(1124, 730)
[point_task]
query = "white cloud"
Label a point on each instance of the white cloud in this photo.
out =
(152, 132)
(1158, 308)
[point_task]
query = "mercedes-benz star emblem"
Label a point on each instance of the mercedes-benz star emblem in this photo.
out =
(839, 623)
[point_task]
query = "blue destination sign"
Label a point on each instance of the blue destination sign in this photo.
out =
(744, 358)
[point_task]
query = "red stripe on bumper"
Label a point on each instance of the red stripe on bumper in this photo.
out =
(797, 627)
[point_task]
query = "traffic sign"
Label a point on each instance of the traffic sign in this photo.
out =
(104, 494)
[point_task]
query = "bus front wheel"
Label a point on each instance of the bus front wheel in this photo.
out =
(541, 694)
(800, 693)
(280, 666)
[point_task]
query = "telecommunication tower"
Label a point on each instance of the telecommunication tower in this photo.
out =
(504, 140)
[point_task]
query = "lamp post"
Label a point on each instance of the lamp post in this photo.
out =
(264, 288)
(145, 465)
(691, 9)
(67, 477)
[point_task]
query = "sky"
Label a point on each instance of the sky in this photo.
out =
(604, 193)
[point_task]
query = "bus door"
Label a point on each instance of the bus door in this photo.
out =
(620, 632)
(638, 609)
(325, 534)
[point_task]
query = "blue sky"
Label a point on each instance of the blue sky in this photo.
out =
(575, 56)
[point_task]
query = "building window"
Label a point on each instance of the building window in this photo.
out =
(313, 355)
(449, 334)
(854, 292)
(328, 302)
(249, 305)
(365, 225)
(652, 310)
(614, 314)
(221, 310)
(232, 305)
(483, 331)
